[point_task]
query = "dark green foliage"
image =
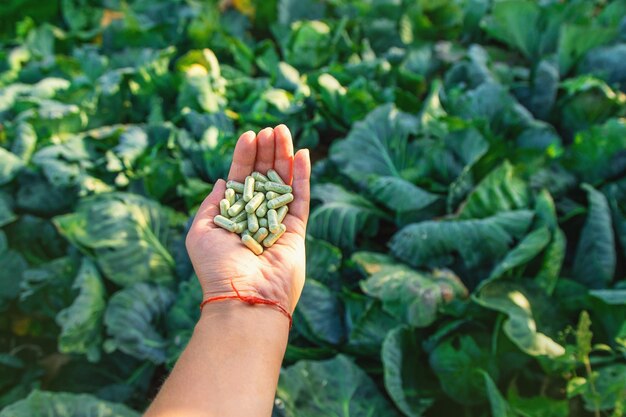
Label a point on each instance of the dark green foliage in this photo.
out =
(466, 246)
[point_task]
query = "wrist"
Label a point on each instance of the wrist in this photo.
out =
(245, 322)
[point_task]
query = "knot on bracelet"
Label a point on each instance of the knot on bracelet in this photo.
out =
(250, 300)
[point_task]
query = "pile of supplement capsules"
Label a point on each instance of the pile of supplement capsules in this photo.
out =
(256, 209)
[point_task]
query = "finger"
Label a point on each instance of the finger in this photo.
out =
(299, 208)
(264, 150)
(283, 153)
(243, 157)
(210, 207)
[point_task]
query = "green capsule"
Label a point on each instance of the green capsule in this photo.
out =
(248, 189)
(261, 234)
(240, 217)
(241, 226)
(252, 244)
(259, 186)
(278, 188)
(224, 223)
(234, 185)
(271, 195)
(259, 177)
(262, 210)
(236, 208)
(246, 232)
(255, 202)
(273, 176)
(282, 213)
(279, 201)
(262, 222)
(273, 237)
(272, 221)
(224, 206)
(253, 223)
(229, 194)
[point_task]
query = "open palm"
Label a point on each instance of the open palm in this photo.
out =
(220, 259)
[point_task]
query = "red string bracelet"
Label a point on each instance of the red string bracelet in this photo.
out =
(250, 300)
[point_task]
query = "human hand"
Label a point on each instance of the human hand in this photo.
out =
(220, 258)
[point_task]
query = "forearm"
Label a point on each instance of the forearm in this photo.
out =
(230, 367)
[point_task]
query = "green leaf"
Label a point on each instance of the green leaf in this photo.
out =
(616, 194)
(499, 406)
(516, 22)
(576, 40)
(501, 190)
(408, 295)
(10, 165)
(126, 234)
(459, 367)
(597, 152)
(594, 264)
(402, 197)
(182, 318)
(367, 323)
(510, 298)
(334, 387)
(13, 265)
(588, 101)
(552, 262)
(131, 317)
(6, 213)
(319, 314)
(381, 140)
(405, 376)
(526, 250)
(610, 388)
(342, 215)
(62, 404)
(435, 243)
(323, 260)
(81, 323)
(538, 406)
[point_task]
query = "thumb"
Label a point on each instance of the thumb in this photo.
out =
(210, 207)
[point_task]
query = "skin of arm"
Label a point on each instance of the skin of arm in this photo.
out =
(231, 365)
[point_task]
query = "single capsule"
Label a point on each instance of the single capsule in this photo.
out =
(224, 206)
(262, 222)
(252, 244)
(279, 201)
(278, 188)
(224, 223)
(273, 237)
(234, 185)
(248, 189)
(259, 186)
(240, 217)
(271, 195)
(255, 202)
(236, 208)
(241, 226)
(262, 210)
(273, 176)
(253, 223)
(272, 221)
(229, 194)
(261, 234)
(259, 177)
(282, 213)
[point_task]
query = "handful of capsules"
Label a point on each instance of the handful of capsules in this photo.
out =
(255, 209)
